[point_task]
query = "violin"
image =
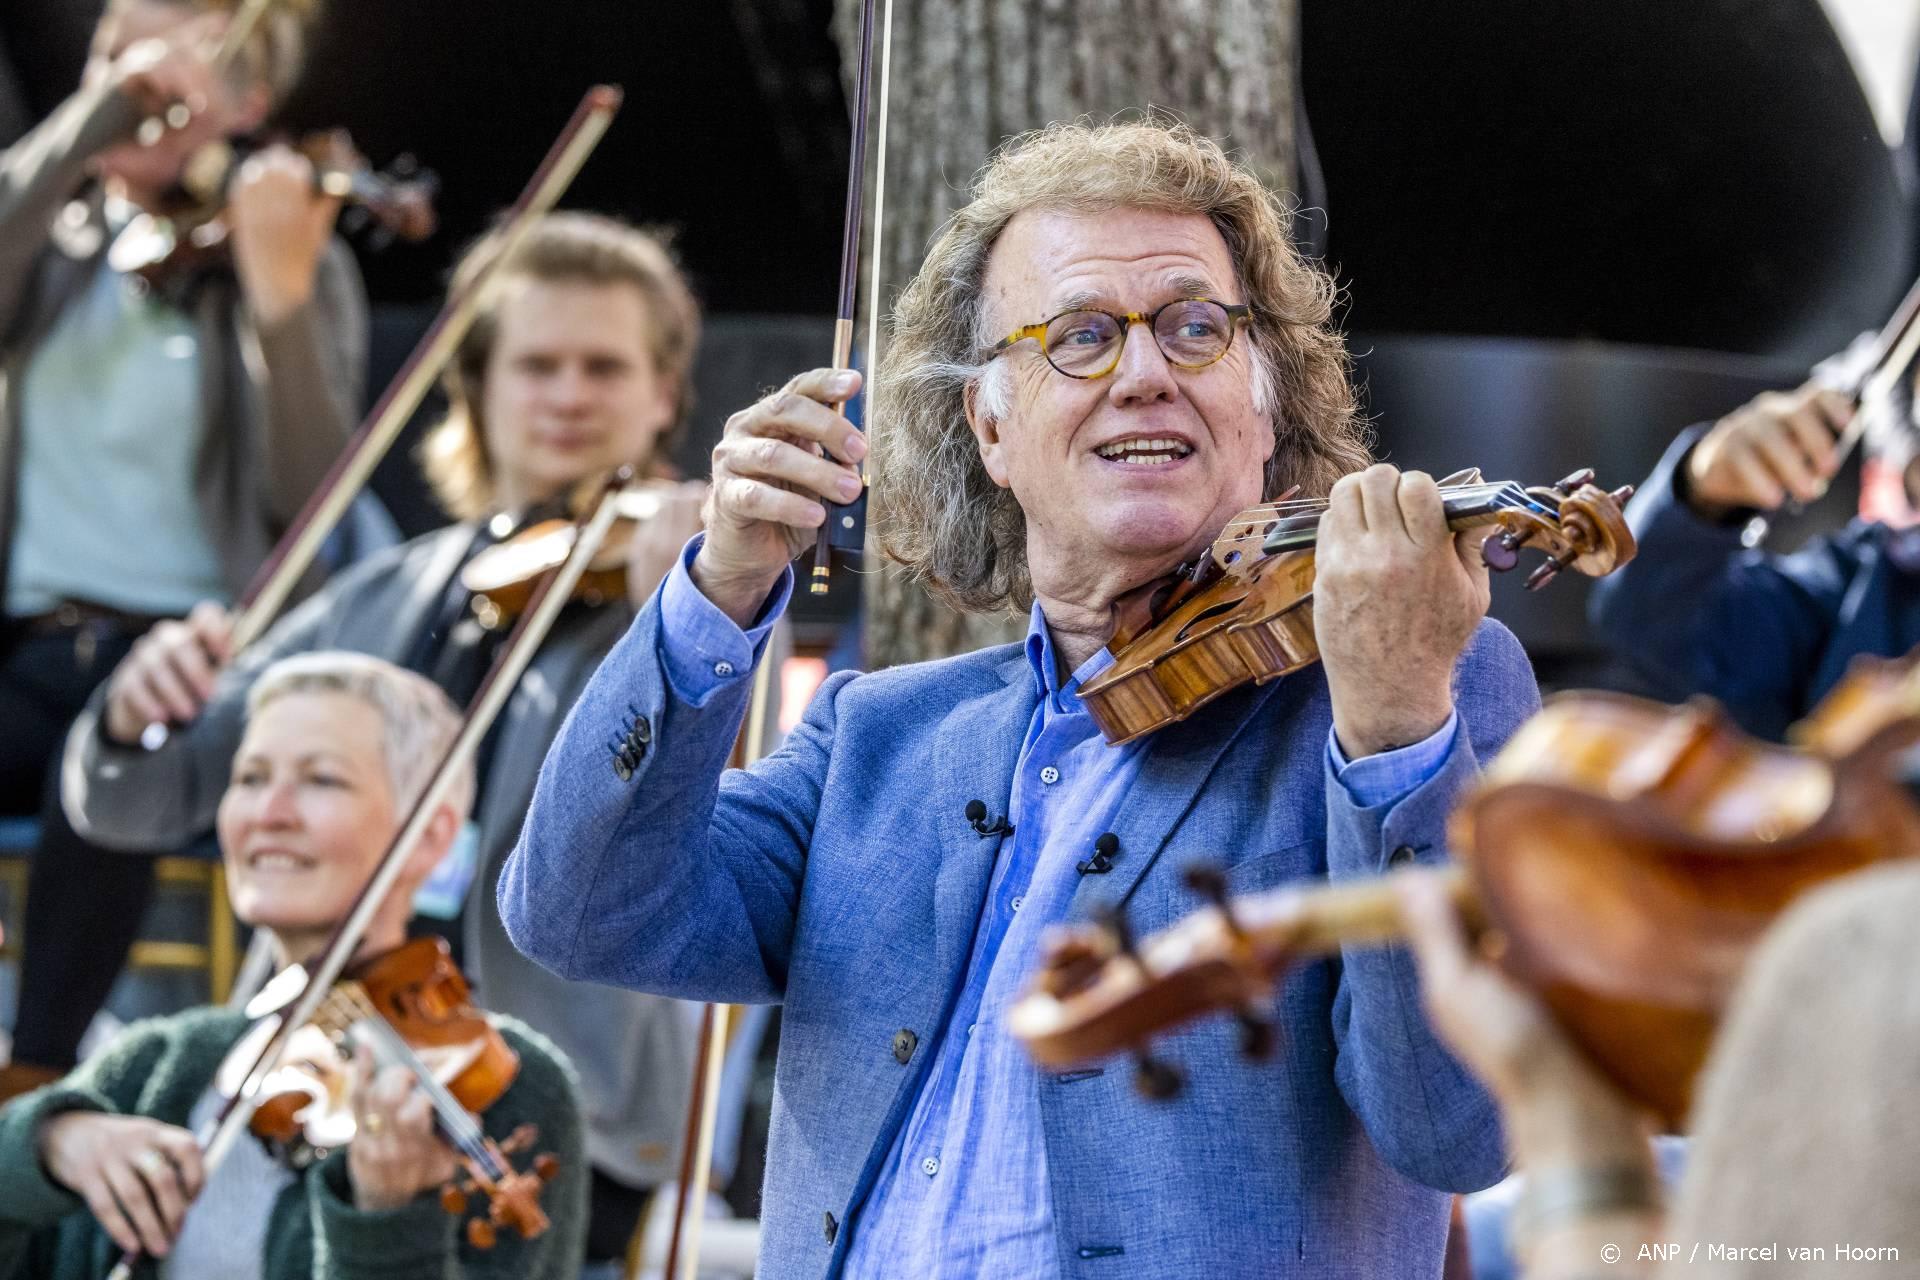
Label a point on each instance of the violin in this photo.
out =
(1244, 612)
(1620, 858)
(413, 1008)
(190, 237)
(502, 577)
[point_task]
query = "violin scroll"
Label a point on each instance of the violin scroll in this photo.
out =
(1578, 525)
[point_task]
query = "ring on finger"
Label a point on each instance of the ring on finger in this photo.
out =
(150, 1161)
(373, 1124)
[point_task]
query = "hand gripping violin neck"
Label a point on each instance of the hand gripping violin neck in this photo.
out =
(1245, 611)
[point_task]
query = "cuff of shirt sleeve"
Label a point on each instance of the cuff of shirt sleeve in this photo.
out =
(1389, 775)
(702, 649)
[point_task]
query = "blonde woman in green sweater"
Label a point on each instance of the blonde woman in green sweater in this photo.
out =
(336, 749)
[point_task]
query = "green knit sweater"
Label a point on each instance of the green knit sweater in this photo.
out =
(160, 1068)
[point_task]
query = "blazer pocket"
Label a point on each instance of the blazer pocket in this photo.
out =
(1163, 897)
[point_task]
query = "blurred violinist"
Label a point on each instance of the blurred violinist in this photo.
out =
(1109, 352)
(1786, 1152)
(578, 365)
(1768, 634)
(336, 749)
(154, 446)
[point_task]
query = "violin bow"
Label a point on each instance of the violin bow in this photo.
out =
(522, 643)
(703, 1109)
(381, 427)
(178, 115)
(843, 526)
(1894, 350)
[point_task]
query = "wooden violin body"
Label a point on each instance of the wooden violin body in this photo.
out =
(501, 578)
(414, 1008)
(1246, 612)
(1620, 857)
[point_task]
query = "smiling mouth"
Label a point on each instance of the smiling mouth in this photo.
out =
(277, 860)
(1145, 451)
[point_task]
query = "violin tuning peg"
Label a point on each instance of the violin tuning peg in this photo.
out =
(452, 1200)
(546, 1166)
(1622, 495)
(1500, 552)
(1158, 1080)
(1547, 572)
(1257, 1035)
(1210, 882)
(480, 1233)
(1566, 487)
(522, 1137)
(1113, 918)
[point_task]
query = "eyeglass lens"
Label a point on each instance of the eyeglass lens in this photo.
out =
(1191, 333)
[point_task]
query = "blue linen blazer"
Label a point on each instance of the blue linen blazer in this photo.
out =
(839, 876)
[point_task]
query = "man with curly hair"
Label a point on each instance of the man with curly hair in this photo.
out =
(1110, 351)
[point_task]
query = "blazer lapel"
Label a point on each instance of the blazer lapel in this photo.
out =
(1179, 760)
(983, 740)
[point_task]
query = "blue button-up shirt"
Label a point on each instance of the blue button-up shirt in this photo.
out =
(963, 1191)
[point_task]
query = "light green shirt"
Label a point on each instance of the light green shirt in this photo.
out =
(111, 428)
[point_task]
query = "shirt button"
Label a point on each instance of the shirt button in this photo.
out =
(723, 668)
(930, 1166)
(1049, 775)
(904, 1043)
(1401, 857)
(1017, 902)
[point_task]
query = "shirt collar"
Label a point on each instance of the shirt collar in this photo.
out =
(1046, 667)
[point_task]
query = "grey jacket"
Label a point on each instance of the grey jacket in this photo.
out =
(633, 1052)
(278, 402)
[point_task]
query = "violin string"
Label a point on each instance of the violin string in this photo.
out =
(1270, 512)
(460, 1125)
(1267, 509)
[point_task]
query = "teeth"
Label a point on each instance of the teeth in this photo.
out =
(277, 862)
(1146, 451)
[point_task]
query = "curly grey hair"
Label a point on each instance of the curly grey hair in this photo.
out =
(419, 722)
(936, 511)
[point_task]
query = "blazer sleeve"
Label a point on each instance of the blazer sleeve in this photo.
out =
(135, 800)
(41, 171)
(643, 861)
(1698, 612)
(1426, 1114)
(316, 365)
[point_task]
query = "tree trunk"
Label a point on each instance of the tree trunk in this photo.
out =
(967, 74)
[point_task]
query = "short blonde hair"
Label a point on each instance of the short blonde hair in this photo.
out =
(936, 511)
(274, 55)
(581, 248)
(418, 721)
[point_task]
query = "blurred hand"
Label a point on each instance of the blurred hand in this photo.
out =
(138, 1176)
(156, 73)
(395, 1154)
(169, 674)
(658, 540)
(1558, 1108)
(1396, 597)
(280, 226)
(767, 475)
(1779, 446)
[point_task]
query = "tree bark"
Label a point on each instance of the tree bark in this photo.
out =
(968, 74)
